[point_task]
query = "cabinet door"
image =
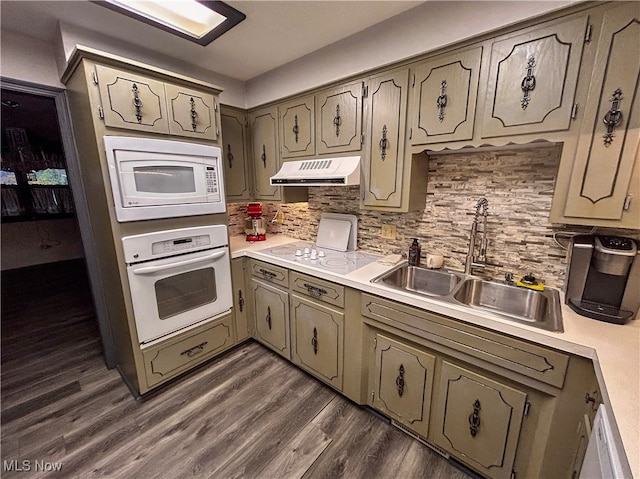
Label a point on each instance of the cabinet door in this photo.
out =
(297, 127)
(240, 303)
(234, 155)
(607, 150)
(445, 93)
(191, 113)
(383, 165)
(271, 309)
(264, 149)
(478, 420)
(532, 80)
(317, 343)
(132, 101)
(339, 119)
(402, 380)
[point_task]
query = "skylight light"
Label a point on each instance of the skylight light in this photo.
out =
(198, 21)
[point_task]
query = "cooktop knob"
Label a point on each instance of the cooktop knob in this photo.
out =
(298, 252)
(314, 254)
(321, 254)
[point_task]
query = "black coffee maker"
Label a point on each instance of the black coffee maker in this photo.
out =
(603, 278)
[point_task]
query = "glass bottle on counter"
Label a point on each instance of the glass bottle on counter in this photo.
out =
(414, 253)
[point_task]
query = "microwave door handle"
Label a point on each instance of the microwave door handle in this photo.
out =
(155, 269)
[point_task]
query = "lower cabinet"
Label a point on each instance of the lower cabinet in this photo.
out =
(240, 302)
(271, 309)
(402, 378)
(478, 420)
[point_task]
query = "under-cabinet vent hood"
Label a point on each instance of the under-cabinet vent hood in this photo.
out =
(321, 172)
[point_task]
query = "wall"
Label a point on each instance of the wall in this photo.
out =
(27, 59)
(518, 183)
(27, 243)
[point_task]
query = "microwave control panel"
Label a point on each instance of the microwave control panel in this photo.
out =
(212, 181)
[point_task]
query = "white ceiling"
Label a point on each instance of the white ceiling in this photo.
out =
(273, 34)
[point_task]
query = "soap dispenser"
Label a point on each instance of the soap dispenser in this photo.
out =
(414, 253)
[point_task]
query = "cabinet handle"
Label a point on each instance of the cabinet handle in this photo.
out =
(314, 290)
(197, 349)
(296, 128)
(528, 83)
(269, 316)
(442, 100)
(240, 300)
(267, 273)
(384, 143)
(194, 114)
(474, 418)
(314, 341)
(229, 156)
(400, 381)
(264, 155)
(613, 116)
(137, 102)
(337, 120)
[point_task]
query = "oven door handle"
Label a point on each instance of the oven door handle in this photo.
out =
(155, 269)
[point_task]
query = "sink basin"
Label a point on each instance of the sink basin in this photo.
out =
(536, 308)
(430, 282)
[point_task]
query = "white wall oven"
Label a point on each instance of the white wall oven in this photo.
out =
(153, 178)
(178, 278)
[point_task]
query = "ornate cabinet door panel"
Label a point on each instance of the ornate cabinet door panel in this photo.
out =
(264, 149)
(402, 382)
(383, 164)
(532, 80)
(339, 119)
(317, 339)
(132, 101)
(445, 92)
(297, 127)
(234, 155)
(607, 150)
(478, 420)
(191, 113)
(240, 301)
(271, 308)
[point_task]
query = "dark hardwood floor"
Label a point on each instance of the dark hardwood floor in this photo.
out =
(248, 413)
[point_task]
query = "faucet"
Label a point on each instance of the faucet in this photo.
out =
(479, 261)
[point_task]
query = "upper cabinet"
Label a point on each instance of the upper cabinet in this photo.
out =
(445, 90)
(339, 119)
(264, 150)
(142, 103)
(600, 181)
(234, 155)
(532, 79)
(383, 163)
(297, 127)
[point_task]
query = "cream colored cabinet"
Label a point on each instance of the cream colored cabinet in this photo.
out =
(401, 377)
(240, 298)
(604, 184)
(237, 171)
(445, 90)
(478, 420)
(317, 339)
(264, 150)
(271, 315)
(339, 119)
(297, 127)
(131, 101)
(383, 163)
(532, 79)
(192, 113)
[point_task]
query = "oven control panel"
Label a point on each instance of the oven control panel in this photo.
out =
(179, 245)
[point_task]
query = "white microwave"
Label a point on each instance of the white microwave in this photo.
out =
(153, 179)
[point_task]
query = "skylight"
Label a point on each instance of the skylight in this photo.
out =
(198, 21)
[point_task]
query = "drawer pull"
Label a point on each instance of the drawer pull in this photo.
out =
(314, 341)
(400, 381)
(267, 273)
(240, 300)
(314, 290)
(137, 102)
(474, 418)
(269, 316)
(197, 349)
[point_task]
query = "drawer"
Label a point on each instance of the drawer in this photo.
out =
(318, 289)
(529, 359)
(271, 273)
(175, 355)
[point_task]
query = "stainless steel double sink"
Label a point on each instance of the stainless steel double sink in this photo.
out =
(541, 309)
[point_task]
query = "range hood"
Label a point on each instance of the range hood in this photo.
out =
(343, 171)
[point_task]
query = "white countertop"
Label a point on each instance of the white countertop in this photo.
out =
(614, 349)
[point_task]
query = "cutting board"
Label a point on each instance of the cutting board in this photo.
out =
(333, 234)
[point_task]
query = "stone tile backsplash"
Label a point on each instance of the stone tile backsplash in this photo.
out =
(518, 184)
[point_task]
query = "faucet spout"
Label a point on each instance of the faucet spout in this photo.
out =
(472, 261)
